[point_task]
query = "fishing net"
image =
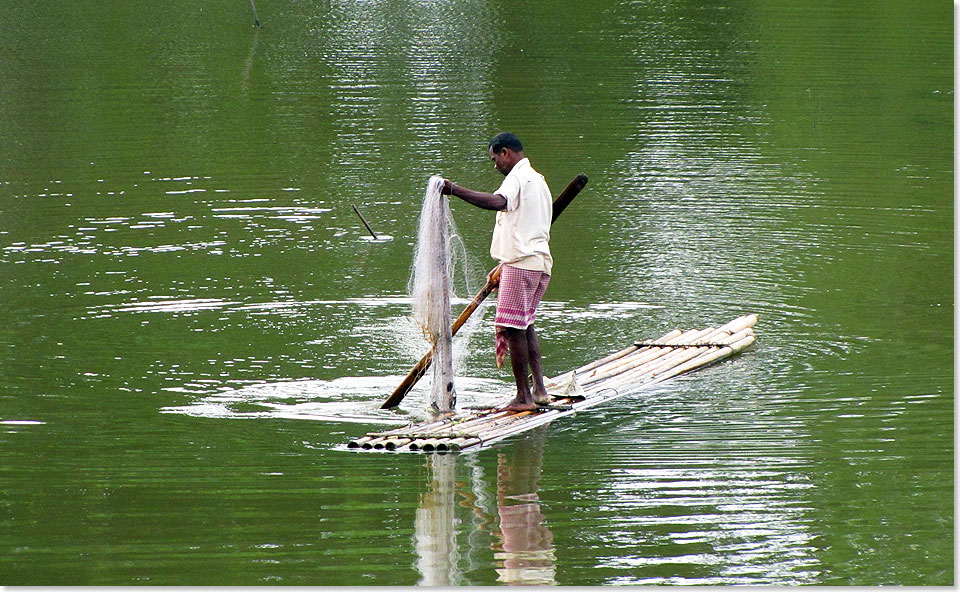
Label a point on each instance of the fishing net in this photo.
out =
(430, 290)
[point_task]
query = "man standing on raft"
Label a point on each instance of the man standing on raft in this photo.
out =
(521, 242)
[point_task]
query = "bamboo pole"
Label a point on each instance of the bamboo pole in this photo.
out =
(433, 429)
(624, 352)
(740, 342)
(646, 353)
(623, 365)
(417, 372)
(678, 356)
(685, 359)
(395, 443)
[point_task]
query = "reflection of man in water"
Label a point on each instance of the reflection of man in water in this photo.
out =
(526, 546)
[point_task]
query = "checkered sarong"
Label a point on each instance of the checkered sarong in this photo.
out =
(518, 295)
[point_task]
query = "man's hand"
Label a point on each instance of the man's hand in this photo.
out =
(487, 201)
(494, 276)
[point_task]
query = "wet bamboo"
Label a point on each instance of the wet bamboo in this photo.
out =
(641, 356)
(644, 358)
(502, 424)
(485, 423)
(356, 443)
(447, 429)
(744, 340)
(486, 429)
(481, 431)
(688, 359)
(680, 356)
(427, 445)
(464, 426)
(625, 351)
(463, 442)
(704, 359)
(638, 383)
(521, 422)
(662, 364)
(675, 336)
(716, 336)
(647, 355)
(437, 424)
(543, 417)
(650, 352)
(395, 443)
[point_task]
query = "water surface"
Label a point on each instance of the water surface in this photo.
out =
(195, 321)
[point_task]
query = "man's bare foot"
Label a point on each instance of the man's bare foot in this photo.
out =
(543, 399)
(517, 405)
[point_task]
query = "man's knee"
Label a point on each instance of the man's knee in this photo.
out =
(510, 331)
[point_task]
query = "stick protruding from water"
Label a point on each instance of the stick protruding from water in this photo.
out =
(364, 220)
(256, 18)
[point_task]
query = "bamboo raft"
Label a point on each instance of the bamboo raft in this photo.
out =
(624, 372)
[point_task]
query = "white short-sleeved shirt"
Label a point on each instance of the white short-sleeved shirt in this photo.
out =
(521, 237)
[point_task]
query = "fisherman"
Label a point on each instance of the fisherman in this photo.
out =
(521, 242)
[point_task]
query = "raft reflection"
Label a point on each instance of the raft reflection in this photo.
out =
(516, 533)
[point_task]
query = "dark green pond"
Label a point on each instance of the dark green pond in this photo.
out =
(194, 321)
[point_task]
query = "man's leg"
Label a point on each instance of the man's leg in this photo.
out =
(519, 362)
(536, 366)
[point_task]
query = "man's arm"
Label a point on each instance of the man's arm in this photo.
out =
(487, 201)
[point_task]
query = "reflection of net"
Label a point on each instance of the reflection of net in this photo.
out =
(430, 289)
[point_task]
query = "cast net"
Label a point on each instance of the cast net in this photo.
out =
(430, 289)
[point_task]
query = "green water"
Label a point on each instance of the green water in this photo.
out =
(194, 320)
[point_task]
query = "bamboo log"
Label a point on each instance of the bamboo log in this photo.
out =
(685, 359)
(519, 427)
(417, 372)
(742, 340)
(624, 352)
(623, 365)
(642, 357)
(395, 443)
(647, 353)
(699, 361)
(679, 356)
(489, 421)
(637, 378)
(359, 441)
(463, 443)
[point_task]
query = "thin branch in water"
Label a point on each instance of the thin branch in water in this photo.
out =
(256, 18)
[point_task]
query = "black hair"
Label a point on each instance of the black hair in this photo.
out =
(505, 140)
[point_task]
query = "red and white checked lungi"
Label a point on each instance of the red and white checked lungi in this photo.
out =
(518, 296)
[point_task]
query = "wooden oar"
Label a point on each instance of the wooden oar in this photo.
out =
(416, 373)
